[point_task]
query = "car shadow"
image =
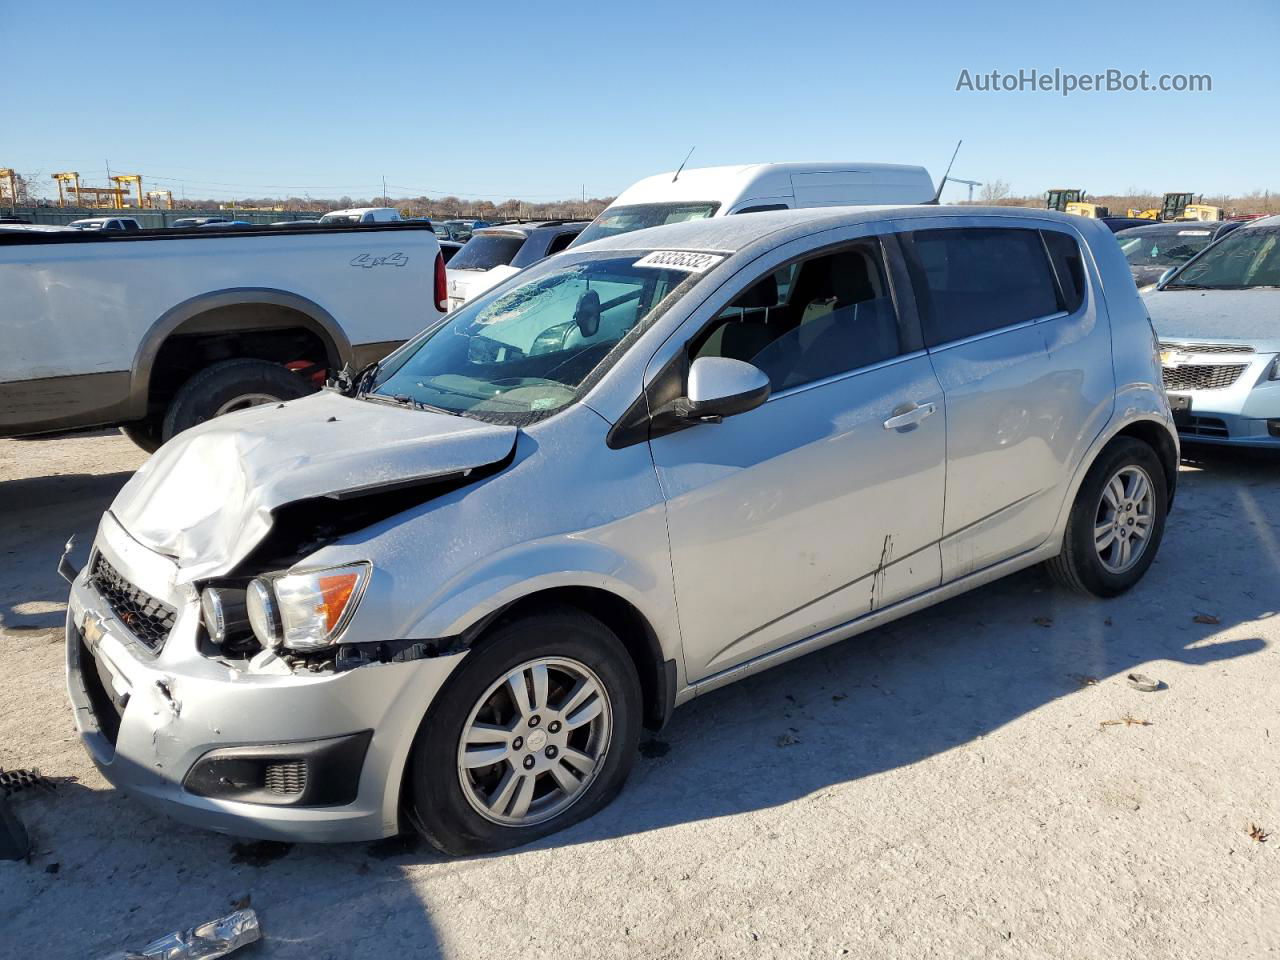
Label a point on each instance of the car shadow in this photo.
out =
(37, 516)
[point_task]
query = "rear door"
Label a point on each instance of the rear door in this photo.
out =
(1023, 357)
(824, 503)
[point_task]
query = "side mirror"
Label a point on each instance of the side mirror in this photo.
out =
(720, 387)
(587, 313)
(1166, 275)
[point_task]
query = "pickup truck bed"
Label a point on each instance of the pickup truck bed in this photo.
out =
(125, 328)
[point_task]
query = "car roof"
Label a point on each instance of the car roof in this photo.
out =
(528, 228)
(733, 233)
(1174, 227)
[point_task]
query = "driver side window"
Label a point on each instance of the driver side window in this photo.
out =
(809, 320)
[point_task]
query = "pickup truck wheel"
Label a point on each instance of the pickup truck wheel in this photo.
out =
(145, 434)
(537, 729)
(1116, 522)
(230, 386)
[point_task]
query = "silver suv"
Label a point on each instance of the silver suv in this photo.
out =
(451, 590)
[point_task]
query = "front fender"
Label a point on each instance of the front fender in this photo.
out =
(528, 569)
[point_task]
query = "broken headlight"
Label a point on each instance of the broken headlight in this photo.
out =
(305, 611)
(223, 611)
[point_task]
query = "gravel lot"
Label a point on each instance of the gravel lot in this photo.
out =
(954, 785)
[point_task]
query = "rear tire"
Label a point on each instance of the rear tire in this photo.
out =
(1116, 523)
(457, 801)
(229, 386)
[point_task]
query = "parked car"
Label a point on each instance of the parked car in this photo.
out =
(1220, 339)
(1153, 249)
(449, 595)
(354, 215)
(495, 253)
(756, 188)
(460, 230)
(226, 225)
(183, 223)
(106, 223)
(159, 330)
(1116, 224)
(304, 222)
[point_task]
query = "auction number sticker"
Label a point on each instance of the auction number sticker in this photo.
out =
(680, 260)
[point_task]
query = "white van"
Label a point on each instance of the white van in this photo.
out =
(362, 215)
(751, 188)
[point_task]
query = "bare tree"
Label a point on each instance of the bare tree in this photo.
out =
(993, 191)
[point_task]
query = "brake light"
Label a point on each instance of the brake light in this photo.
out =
(442, 285)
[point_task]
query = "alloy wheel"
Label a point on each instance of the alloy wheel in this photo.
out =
(1123, 522)
(535, 741)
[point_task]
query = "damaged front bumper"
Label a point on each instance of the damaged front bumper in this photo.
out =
(250, 748)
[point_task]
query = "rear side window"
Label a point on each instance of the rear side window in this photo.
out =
(763, 208)
(484, 251)
(970, 280)
(1068, 265)
(560, 242)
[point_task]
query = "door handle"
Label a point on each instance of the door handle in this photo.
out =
(909, 414)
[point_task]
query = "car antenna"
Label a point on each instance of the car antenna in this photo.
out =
(682, 163)
(943, 182)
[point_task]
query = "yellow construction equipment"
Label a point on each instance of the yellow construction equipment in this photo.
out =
(1175, 204)
(1202, 211)
(1092, 210)
(9, 186)
(122, 181)
(160, 199)
(68, 188)
(1150, 214)
(1058, 199)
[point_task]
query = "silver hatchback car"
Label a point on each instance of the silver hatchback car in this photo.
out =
(449, 591)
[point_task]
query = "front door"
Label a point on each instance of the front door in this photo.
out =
(825, 503)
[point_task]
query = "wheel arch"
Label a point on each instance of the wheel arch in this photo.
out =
(309, 316)
(658, 676)
(1155, 435)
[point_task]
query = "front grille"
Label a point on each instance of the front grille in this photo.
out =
(1206, 347)
(288, 778)
(146, 617)
(1202, 426)
(1202, 376)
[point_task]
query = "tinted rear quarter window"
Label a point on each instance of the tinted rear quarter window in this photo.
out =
(971, 280)
(1068, 265)
(484, 251)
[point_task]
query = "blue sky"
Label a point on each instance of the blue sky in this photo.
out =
(536, 101)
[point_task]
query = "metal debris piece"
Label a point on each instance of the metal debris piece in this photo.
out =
(1140, 681)
(208, 941)
(1129, 720)
(1205, 618)
(1257, 833)
(14, 842)
(15, 781)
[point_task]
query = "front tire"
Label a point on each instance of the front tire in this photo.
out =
(536, 730)
(1116, 523)
(229, 386)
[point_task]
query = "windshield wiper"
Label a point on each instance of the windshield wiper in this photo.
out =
(404, 400)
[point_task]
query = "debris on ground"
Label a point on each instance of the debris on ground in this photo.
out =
(14, 842)
(652, 749)
(837, 697)
(1129, 720)
(259, 853)
(1140, 681)
(1205, 618)
(208, 941)
(1085, 679)
(788, 740)
(15, 781)
(1257, 833)
(1042, 621)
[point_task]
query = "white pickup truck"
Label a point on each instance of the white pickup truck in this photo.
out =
(158, 330)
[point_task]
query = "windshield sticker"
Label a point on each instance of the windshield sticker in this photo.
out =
(680, 260)
(1193, 233)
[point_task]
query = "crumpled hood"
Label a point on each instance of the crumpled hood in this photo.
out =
(205, 498)
(1252, 315)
